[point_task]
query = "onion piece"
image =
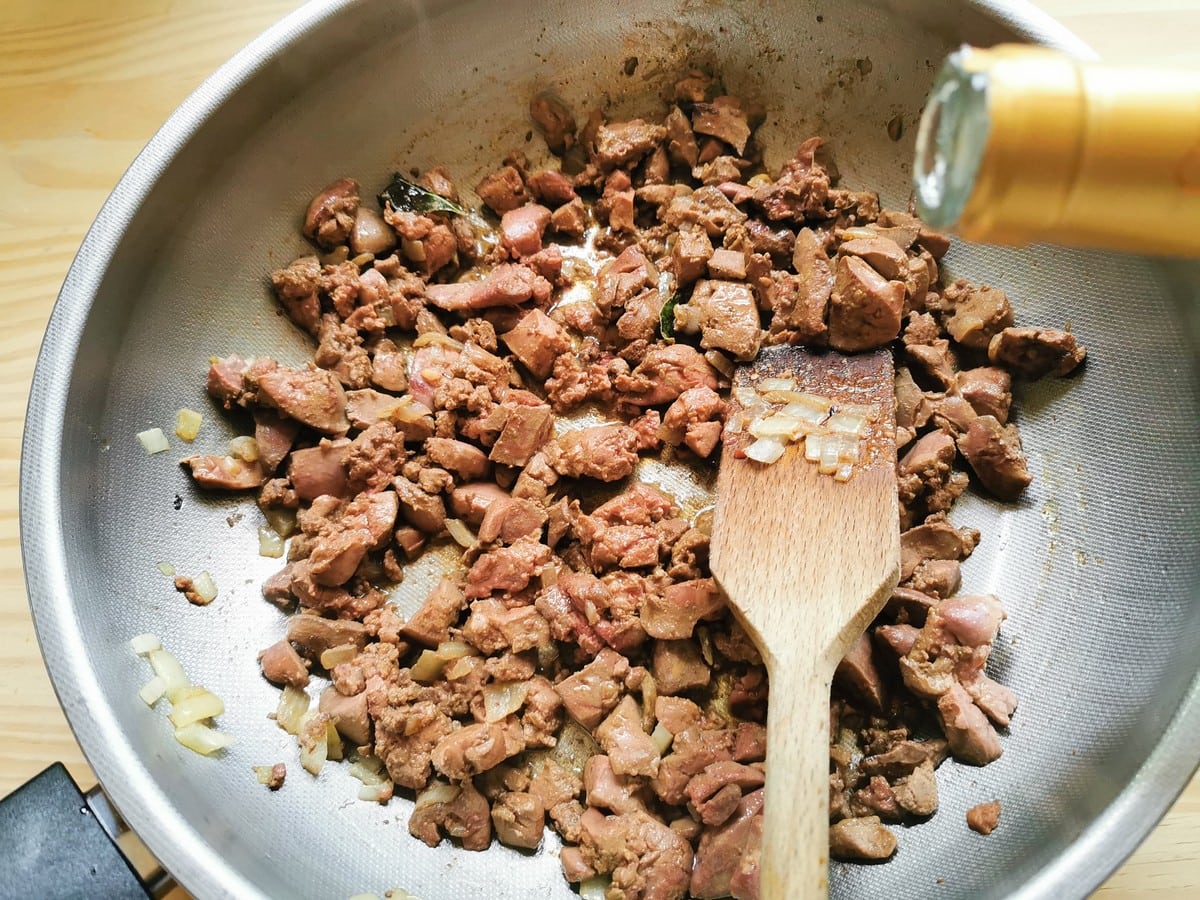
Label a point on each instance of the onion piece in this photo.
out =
(204, 705)
(842, 422)
(293, 706)
(720, 362)
(409, 410)
(460, 532)
(745, 396)
(377, 793)
(314, 742)
(427, 338)
(502, 700)
(776, 426)
(244, 448)
(851, 234)
(187, 424)
(844, 472)
(776, 384)
(205, 588)
(167, 569)
(594, 888)
(810, 415)
(167, 668)
(153, 690)
(143, 644)
(282, 521)
(368, 770)
(270, 544)
(814, 446)
(153, 441)
(456, 669)
(765, 450)
(335, 656)
(662, 739)
(438, 792)
(449, 650)
(263, 773)
(549, 575)
(427, 667)
(333, 741)
(202, 739)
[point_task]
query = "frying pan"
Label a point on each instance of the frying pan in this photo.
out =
(1097, 564)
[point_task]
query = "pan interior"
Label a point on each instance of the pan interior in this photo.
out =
(1096, 565)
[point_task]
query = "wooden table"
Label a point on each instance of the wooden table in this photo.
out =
(83, 85)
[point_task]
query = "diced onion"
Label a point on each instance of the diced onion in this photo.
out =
(153, 690)
(502, 700)
(281, 520)
(187, 424)
(594, 888)
(167, 569)
(202, 739)
(335, 656)
(798, 397)
(204, 705)
(293, 706)
(851, 234)
(814, 445)
(333, 741)
(438, 792)
(377, 793)
(805, 412)
(449, 650)
(153, 440)
(187, 693)
(263, 773)
(720, 362)
(460, 532)
(414, 250)
(409, 410)
(776, 425)
(400, 894)
(830, 451)
(143, 644)
(745, 395)
(270, 543)
(847, 423)
(459, 668)
(549, 575)
(662, 738)
(364, 897)
(844, 472)
(244, 448)
(428, 338)
(765, 450)
(314, 742)
(776, 384)
(427, 667)
(368, 770)
(167, 668)
(205, 588)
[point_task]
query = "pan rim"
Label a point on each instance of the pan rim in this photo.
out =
(1088, 860)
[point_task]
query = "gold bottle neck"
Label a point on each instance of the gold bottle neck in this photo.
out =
(1023, 143)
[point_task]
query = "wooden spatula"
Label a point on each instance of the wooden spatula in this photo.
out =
(807, 561)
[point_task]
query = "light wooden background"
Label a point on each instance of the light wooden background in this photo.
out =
(83, 85)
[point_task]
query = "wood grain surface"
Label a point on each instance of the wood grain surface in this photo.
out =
(83, 85)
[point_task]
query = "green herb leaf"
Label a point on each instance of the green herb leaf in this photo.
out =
(404, 196)
(666, 318)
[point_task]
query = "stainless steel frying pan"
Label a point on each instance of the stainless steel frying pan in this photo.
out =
(1098, 564)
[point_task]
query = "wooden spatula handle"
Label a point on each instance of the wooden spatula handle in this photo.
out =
(795, 862)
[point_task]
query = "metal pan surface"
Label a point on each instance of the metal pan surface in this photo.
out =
(1098, 564)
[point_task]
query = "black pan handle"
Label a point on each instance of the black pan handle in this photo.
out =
(58, 842)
